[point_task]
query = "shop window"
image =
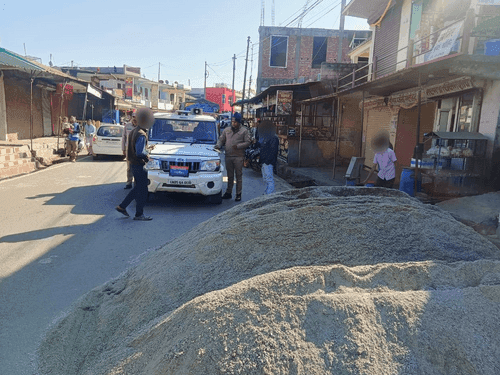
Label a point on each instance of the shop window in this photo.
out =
(172, 98)
(464, 113)
(456, 114)
(279, 50)
(223, 98)
(319, 51)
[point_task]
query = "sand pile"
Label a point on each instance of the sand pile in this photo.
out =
(314, 281)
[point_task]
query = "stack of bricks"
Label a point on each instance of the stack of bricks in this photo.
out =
(15, 160)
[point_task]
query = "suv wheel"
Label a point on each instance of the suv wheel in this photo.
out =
(216, 198)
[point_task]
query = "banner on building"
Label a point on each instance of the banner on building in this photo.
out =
(129, 87)
(284, 102)
(445, 42)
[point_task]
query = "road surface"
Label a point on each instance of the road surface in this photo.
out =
(60, 236)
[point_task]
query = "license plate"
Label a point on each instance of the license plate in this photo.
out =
(179, 182)
(179, 170)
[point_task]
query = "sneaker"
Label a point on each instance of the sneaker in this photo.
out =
(123, 211)
(143, 218)
(238, 197)
(227, 196)
(128, 187)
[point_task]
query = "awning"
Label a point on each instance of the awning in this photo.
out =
(11, 60)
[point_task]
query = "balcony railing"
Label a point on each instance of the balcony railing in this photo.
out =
(417, 52)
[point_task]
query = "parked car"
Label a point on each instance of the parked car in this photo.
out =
(183, 159)
(108, 141)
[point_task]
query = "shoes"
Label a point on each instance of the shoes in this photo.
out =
(227, 196)
(143, 218)
(123, 211)
(238, 197)
(128, 187)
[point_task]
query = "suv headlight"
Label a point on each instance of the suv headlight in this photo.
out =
(210, 165)
(153, 164)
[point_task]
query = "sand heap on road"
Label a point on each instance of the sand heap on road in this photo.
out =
(314, 281)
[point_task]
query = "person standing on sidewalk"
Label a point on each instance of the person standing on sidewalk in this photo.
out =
(268, 142)
(138, 155)
(72, 129)
(129, 126)
(89, 133)
(236, 139)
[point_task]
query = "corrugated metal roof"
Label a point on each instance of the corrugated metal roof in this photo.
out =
(457, 135)
(10, 59)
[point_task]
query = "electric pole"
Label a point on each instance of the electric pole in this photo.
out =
(232, 87)
(341, 37)
(245, 76)
(158, 72)
(251, 72)
(205, 84)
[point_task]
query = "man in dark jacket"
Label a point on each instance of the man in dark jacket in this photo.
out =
(236, 139)
(269, 144)
(137, 154)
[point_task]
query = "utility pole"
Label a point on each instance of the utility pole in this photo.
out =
(245, 76)
(251, 72)
(205, 84)
(232, 87)
(158, 72)
(341, 37)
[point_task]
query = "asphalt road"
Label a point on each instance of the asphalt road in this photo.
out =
(60, 236)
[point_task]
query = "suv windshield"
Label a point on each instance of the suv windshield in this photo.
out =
(185, 131)
(110, 131)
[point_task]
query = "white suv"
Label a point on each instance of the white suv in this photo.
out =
(183, 159)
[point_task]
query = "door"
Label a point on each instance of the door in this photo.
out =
(46, 114)
(406, 137)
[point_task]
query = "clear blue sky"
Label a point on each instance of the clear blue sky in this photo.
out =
(179, 35)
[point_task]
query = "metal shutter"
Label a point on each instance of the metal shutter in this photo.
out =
(387, 41)
(377, 119)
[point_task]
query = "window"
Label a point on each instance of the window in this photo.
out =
(223, 98)
(319, 51)
(172, 98)
(279, 49)
(146, 93)
(119, 85)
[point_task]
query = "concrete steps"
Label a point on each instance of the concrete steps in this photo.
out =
(15, 160)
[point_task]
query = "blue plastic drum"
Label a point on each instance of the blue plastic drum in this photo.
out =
(407, 182)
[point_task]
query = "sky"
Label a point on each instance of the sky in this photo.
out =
(175, 38)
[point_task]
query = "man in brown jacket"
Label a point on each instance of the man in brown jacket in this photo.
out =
(236, 139)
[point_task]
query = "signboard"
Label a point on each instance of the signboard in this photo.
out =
(129, 87)
(445, 42)
(488, 2)
(284, 102)
(92, 91)
(456, 85)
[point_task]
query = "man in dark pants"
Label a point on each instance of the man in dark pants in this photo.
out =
(137, 154)
(236, 139)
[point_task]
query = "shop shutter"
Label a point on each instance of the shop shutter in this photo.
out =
(46, 114)
(387, 40)
(377, 119)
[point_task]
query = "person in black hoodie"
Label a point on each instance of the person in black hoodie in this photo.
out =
(269, 144)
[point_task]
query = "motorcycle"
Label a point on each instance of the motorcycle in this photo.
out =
(252, 157)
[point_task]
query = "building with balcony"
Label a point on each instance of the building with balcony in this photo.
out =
(433, 67)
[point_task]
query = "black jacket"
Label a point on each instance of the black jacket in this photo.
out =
(269, 150)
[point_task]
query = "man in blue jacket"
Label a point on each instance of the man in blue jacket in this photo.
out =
(269, 145)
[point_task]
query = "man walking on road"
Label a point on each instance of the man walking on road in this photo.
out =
(268, 142)
(236, 139)
(137, 154)
(129, 126)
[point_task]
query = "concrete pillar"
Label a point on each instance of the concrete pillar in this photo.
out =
(3, 110)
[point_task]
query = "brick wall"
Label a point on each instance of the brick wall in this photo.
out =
(299, 54)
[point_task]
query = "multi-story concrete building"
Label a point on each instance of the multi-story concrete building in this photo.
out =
(295, 55)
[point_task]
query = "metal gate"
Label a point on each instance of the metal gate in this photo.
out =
(386, 42)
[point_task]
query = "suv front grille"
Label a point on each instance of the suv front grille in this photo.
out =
(194, 166)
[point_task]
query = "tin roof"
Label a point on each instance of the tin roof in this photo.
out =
(11, 60)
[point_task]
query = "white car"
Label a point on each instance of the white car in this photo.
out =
(108, 141)
(183, 159)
